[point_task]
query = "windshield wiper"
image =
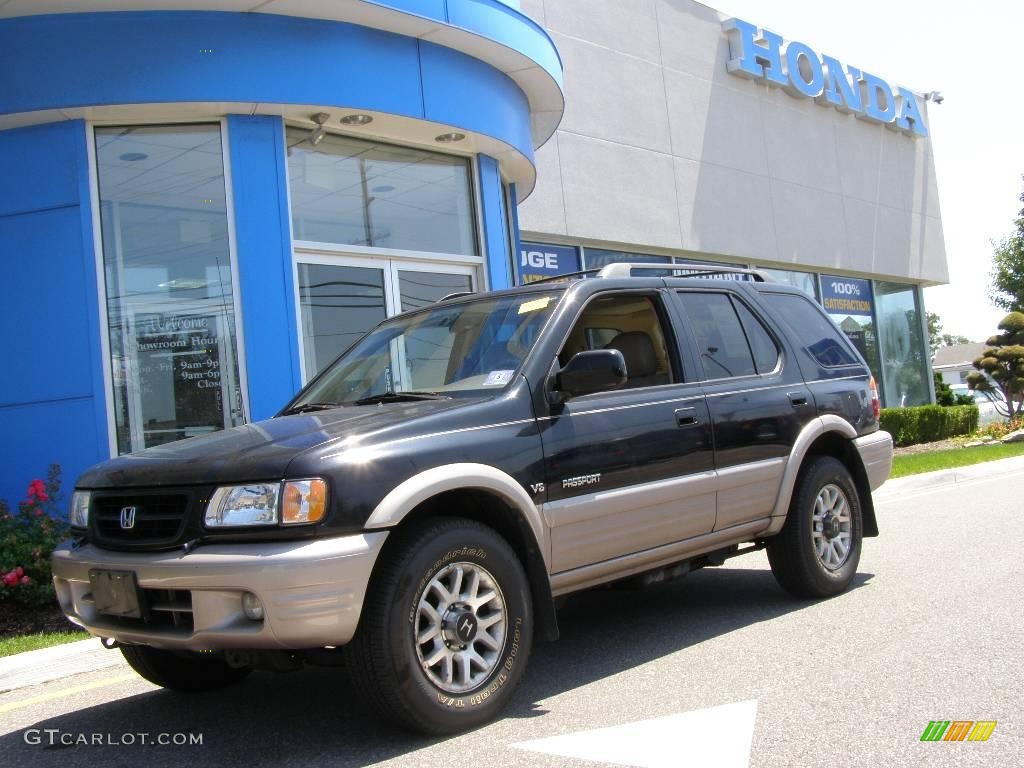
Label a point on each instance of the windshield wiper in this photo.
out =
(400, 397)
(307, 407)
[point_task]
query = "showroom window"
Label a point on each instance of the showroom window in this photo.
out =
(169, 291)
(352, 192)
(849, 301)
(805, 281)
(901, 341)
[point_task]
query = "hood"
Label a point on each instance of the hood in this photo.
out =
(261, 450)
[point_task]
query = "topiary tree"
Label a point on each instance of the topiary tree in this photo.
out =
(1003, 361)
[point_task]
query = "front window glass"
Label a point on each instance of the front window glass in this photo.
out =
(167, 265)
(901, 339)
(353, 192)
(468, 348)
(849, 301)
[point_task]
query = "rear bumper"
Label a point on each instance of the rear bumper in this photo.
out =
(876, 454)
(312, 592)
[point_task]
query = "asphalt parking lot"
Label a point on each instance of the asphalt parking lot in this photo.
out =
(721, 668)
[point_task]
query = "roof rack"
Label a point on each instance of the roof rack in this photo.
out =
(693, 270)
(624, 269)
(456, 295)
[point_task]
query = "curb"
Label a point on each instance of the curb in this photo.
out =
(30, 668)
(950, 477)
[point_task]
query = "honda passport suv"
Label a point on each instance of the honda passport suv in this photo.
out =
(415, 512)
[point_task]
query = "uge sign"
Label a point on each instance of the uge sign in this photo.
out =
(762, 55)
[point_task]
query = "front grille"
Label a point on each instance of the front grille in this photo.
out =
(168, 610)
(159, 520)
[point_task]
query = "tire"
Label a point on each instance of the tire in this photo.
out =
(409, 682)
(182, 670)
(818, 558)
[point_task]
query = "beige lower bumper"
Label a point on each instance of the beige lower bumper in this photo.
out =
(876, 452)
(312, 592)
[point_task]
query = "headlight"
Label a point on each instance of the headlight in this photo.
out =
(79, 514)
(239, 505)
(305, 501)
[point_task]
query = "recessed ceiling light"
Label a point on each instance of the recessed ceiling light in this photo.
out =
(356, 120)
(132, 157)
(382, 188)
(447, 138)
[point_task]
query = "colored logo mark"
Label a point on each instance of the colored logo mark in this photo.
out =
(958, 730)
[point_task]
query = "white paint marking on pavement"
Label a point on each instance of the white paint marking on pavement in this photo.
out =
(716, 737)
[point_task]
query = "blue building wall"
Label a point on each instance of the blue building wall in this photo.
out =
(263, 250)
(52, 396)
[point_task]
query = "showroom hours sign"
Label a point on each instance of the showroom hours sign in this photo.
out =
(179, 375)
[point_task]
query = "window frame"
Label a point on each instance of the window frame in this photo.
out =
(473, 167)
(92, 162)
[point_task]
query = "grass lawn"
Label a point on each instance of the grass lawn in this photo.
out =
(957, 457)
(12, 645)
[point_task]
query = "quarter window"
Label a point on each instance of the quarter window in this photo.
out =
(822, 338)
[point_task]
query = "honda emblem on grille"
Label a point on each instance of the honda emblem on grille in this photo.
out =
(127, 517)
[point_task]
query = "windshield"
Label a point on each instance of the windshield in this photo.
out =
(459, 349)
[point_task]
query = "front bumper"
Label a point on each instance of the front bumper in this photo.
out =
(876, 453)
(312, 592)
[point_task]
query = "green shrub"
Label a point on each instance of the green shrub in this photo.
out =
(27, 538)
(928, 423)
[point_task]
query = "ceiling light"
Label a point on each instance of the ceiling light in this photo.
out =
(132, 157)
(356, 120)
(319, 132)
(447, 138)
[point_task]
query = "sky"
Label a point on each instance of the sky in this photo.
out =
(971, 52)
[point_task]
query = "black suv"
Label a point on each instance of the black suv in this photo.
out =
(416, 510)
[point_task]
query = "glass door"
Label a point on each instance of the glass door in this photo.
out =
(341, 298)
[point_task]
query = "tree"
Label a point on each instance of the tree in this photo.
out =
(1007, 286)
(938, 339)
(1003, 361)
(944, 394)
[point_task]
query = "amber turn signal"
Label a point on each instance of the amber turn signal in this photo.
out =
(305, 501)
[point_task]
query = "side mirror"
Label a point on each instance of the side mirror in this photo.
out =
(597, 370)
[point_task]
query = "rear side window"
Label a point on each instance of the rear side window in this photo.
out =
(822, 339)
(762, 345)
(721, 342)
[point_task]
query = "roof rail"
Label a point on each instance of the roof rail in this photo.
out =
(694, 270)
(456, 295)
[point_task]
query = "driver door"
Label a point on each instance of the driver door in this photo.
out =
(629, 469)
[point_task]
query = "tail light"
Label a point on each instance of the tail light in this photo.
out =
(876, 405)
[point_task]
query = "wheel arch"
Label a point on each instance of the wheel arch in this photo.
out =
(826, 436)
(491, 497)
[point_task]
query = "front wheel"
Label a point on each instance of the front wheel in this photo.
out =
(182, 670)
(817, 551)
(446, 630)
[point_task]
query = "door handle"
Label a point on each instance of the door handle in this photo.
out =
(798, 399)
(686, 417)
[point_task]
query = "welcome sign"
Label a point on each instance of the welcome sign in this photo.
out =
(758, 54)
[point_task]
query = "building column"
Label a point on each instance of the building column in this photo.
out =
(263, 247)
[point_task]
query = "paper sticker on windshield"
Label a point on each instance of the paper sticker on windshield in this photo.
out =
(533, 306)
(498, 378)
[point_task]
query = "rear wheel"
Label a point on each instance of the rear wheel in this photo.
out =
(446, 630)
(817, 552)
(182, 670)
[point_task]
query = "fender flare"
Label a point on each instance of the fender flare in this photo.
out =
(811, 432)
(409, 494)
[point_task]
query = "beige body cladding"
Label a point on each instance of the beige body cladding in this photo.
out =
(313, 591)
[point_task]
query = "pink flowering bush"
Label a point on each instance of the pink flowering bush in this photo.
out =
(27, 537)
